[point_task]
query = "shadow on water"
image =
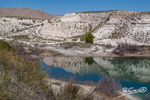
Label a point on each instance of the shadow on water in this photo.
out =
(130, 72)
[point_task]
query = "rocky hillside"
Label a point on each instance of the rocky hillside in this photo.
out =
(25, 13)
(108, 27)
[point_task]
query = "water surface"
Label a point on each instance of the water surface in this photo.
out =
(130, 72)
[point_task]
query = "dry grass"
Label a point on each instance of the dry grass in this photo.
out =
(57, 83)
(22, 71)
(72, 92)
(25, 37)
(22, 80)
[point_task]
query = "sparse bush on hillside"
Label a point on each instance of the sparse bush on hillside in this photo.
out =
(75, 39)
(42, 24)
(4, 20)
(4, 45)
(82, 38)
(19, 49)
(19, 78)
(108, 86)
(89, 37)
(126, 48)
(21, 37)
(70, 92)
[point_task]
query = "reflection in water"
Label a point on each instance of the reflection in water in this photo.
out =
(130, 72)
(120, 68)
(90, 61)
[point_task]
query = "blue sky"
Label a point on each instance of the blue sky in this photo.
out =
(61, 7)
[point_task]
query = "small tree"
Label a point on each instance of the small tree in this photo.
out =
(4, 20)
(42, 24)
(89, 37)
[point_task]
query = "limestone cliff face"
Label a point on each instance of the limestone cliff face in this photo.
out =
(133, 26)
(64, 29)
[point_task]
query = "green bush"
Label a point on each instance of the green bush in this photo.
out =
(42, 24)
(4, 20)
(4, 45)
(89, 37)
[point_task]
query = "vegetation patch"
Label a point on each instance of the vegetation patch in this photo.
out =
(108, 86)
(126, 48)
(4, 20)
(89, 61)
(120, 32)
(75, 39)
(20, 79)
(4, 45)
(25, 37)
(69, 44)
(89, 38)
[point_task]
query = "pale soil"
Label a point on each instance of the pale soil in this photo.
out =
(92, 52)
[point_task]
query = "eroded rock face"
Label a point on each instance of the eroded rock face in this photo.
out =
(64, 29)
(133, 26)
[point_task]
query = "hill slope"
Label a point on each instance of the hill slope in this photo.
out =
(25, 12)
(108, 27)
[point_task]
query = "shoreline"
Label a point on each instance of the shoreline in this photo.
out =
(86, 88)
(89, 53)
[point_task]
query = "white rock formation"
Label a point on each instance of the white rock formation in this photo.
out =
(107, 25)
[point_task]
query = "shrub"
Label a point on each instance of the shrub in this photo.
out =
(89, 37)
(70, 91)
(4, 45)
(108, 86)
(75, 39)
(4, 20)
(82, 38)
(126, 48)
(26, 76)
(42, 24)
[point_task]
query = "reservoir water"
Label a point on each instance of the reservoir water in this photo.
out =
(129, 72)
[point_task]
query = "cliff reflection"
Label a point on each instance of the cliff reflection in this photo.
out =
(119, 68)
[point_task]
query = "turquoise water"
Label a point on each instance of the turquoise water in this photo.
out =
(130, 72)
